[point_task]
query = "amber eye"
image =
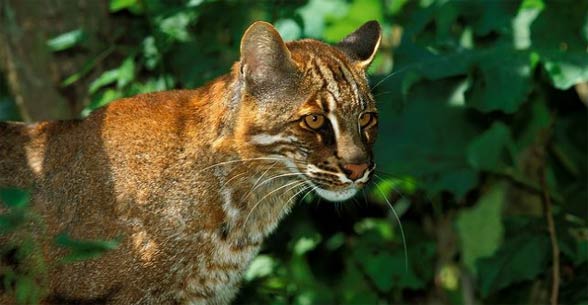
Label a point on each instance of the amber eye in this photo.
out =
(314, 121)
(366, 118)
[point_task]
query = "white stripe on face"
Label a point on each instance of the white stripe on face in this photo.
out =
(335, 123)
(268, 139)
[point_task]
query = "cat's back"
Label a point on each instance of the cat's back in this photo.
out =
(158, 122)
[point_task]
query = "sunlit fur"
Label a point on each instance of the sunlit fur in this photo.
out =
(190, 181)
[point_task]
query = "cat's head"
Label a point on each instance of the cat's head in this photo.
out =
(308, 103)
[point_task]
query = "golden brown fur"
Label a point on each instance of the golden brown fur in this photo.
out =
(181, 177)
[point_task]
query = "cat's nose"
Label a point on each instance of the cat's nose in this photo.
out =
(355, 171)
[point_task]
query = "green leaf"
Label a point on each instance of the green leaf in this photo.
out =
(490, 151)
(66, 40)
(26, 290)
(521, 257)
(306, 243)
(176, 26)
(501, 80)
(133, 6)
(432, 152)
(395, 7)
(480, 228)
(383, 227)
(566, 69)
(261, 266)
(84, 249)
(288, 29)
(86, 68)
(126, 72)
(570, 34)
(387, 186)
(314, 12)
(353, 287)
(358, 13)
(106, 78)
(388, 270)
(15, 198)
(101, 100)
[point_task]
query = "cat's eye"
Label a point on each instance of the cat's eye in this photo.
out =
(366, 118)
(314, 121)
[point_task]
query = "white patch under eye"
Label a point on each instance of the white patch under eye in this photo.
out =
(268, 139)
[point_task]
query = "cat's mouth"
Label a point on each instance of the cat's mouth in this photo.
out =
(337, 195)
(342, 189)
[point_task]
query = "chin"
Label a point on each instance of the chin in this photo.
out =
(338, 195)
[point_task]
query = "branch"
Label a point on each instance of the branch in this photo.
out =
(548, 212)
(553, 237)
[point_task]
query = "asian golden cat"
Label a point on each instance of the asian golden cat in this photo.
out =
(192, 181)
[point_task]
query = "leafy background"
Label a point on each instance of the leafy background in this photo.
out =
(482, 151)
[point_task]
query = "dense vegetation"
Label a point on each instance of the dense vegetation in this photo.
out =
(482, 150)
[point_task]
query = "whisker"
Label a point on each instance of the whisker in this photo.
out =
(304, 188)
(416, 65)
(309, 192)
(268, 180)
(261, 200)
(244, 160)
(403, 179)
(365, 199)
(390, 75)
(230, 179)
(391, 175)
(383, 93)
(400, 225)
(265, 172)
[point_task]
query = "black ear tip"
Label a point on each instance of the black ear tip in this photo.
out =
(372, 25)
(362, 44)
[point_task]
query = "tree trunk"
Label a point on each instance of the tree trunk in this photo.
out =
(34, 73)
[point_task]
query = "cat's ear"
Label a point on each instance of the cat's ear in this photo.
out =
(361, 46)
(265, 59)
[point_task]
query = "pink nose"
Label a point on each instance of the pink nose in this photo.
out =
(355, 171)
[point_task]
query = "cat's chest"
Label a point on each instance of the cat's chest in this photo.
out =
(214, 277)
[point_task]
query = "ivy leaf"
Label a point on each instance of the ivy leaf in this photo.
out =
(106, 78)
(100, 100)
(433, 151)
(134, 6)
(501, 80)
(27, 290)
(66, 40)
(354, 289)
(563, 48)
(521, 257)
(490, 150)
(481, 223)
(261, 266)
(314, 12)
(388, 270)
(566, 69)
(288, 29)
(358, 13)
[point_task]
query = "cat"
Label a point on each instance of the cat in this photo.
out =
(192, 181)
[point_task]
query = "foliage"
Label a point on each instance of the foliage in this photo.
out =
(481, 120)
